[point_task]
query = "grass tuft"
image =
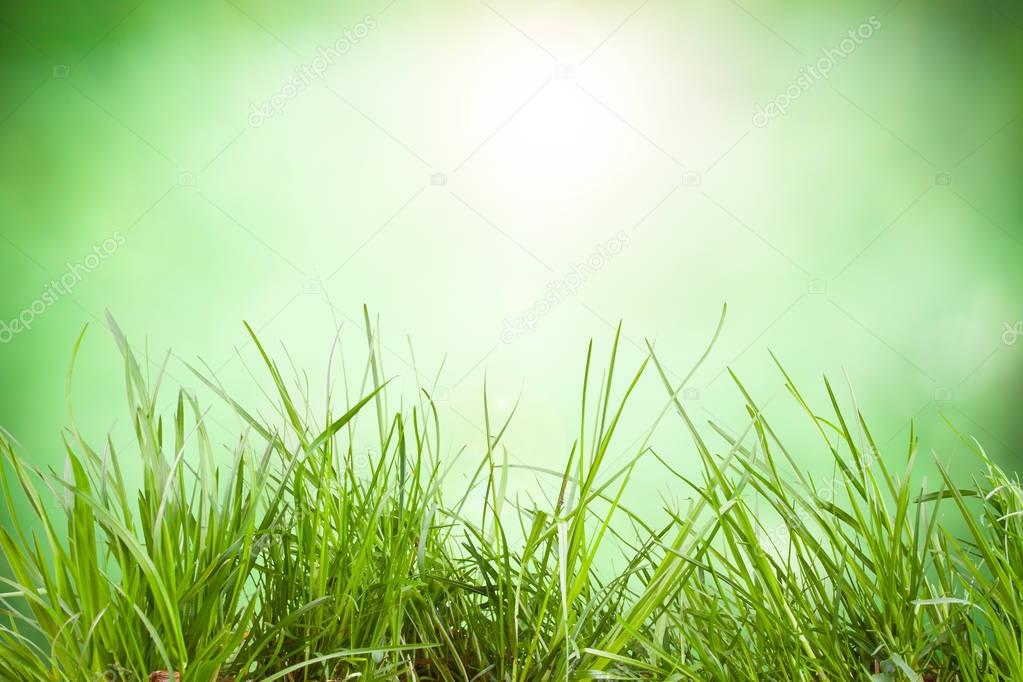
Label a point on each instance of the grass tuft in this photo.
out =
(291, 555)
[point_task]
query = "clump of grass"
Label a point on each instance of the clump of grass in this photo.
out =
(293, 557)
(119, 581)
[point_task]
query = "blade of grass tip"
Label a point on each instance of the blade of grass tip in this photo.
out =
(159, 377)
(256, 424)
(682, 384)
(175, 467)
(673, 394)
(563, 587)
(848, 438)
(282, 389)
(858, 484)
(335, 347)
(710, 346)
(693, 432)
(610, 377)
(605, 441)
(380, 359)
(667, 569)
(134, 372)
(340, 423)
(70, 375)
(165, 605)
(402, 463)
(582, 410)
(502, 486)
(419, 386)
(374, 370)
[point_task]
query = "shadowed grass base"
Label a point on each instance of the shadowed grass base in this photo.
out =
(283, 560)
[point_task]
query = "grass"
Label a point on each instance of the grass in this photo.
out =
(292, 557)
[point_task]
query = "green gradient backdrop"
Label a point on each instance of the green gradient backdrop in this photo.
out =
(462, 155)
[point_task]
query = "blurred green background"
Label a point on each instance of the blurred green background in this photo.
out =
(502, 181)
